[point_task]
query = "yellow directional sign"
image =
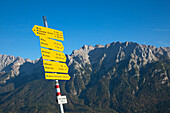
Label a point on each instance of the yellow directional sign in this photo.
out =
(52, 44)
(53, 55)
(55, 76)
(50, 66)
(47, 32)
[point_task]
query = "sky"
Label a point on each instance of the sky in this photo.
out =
(83, 22)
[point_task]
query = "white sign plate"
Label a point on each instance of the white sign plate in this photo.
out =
(62, 99)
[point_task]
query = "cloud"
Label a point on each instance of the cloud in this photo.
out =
(161, 29)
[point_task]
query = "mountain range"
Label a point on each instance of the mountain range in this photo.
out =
(117, 77)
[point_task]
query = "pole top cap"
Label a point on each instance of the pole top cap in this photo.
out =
(44, 17)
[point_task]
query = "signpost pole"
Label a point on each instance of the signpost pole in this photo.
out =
(58, 93)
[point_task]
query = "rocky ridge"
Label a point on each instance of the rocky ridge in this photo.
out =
(117, 77)
(89, 59)
(10, 66)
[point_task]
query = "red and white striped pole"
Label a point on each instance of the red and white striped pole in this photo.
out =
(58, 93)
(57, 87)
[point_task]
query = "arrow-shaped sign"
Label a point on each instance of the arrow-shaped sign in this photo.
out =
(53, 55)
(47, 32)
(50, 66)
(55, 76)
(52, 44)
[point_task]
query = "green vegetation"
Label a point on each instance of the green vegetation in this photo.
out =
(97, 91)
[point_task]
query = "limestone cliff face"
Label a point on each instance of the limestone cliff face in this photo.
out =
(90, 61)
(123, 77)
(138, 55)
(100, 74)
(10, 67)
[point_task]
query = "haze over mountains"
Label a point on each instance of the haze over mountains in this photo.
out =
(117, 77)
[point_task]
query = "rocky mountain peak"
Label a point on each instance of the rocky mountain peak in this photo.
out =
(113, 53)
(11, 66)
(27, 60)
(117, 77)
(6, 60)
(99, 46)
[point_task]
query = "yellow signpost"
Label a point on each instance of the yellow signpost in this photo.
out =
(53, 55)
(52, 59)
(57, 76)
(47, 32)
(54, 69)
(50, 66)
(51, 44)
